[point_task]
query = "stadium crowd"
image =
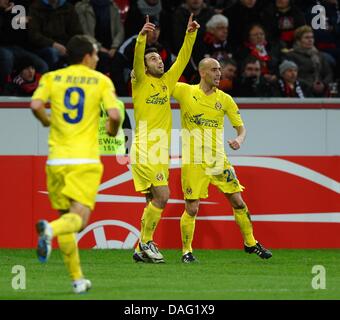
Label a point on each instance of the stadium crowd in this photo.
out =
(266, 48)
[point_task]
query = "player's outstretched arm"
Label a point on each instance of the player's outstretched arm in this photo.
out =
(185, 53)
(138, 60)
(39, 111)
(113, 122)
(235, 144)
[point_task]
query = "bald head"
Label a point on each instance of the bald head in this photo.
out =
(207, 63)
(210, 72)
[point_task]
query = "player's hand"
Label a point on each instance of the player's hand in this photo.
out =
(192, 25)
(234, 144)
(148, 27)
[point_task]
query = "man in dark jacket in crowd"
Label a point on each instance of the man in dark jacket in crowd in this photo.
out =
(53, 24)
(14, 42)
(287, 86)
(251, 83)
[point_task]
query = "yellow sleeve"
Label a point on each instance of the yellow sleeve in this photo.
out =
(43, 91)
(182, 60)
(179, 91)
(109, 98)
(232, 111)
(138, 59)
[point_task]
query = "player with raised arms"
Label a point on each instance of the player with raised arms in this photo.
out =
(151, 90)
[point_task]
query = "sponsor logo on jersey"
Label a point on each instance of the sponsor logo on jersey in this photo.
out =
(200, 121)
(155, 99)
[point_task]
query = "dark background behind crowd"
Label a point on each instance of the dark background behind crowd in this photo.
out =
(266, 48)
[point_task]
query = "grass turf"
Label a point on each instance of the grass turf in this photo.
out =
(220, 275)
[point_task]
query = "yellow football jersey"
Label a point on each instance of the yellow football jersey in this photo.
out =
(75, 94)
(202, 118)
(151, 101)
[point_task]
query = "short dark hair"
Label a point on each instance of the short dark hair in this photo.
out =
(249, 60)
(227, 61)
(78, 47)
(149, 50)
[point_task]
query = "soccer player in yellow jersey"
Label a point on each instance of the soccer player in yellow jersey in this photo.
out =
(203, 108)
(151, 90)
(73, 167)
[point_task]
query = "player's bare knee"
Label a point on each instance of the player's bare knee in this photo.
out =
(85, 220)
(238, 204)
(236, 200)
(192, 211)
(161, 200)
(192, 208)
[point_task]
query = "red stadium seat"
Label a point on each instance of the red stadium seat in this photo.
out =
(124, 6)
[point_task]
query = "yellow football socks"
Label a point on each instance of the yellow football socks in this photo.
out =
(69, 249)
(142, 222)
(67, 223)
(150, 220)
(243, 220)
(187, 231)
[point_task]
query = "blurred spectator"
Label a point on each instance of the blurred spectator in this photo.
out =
(268, 53)
(101, 20)
(214, 44)
(228, 75)
(251, 83)
(170, 6)
(241, 15)
(313, 67)
(53, 24)
(135, 18)
(220, 5)
(287, 85)
(123, 61)
(24, 80)
(13, 42)
(328, 40)
(202, 13)
(280, 19)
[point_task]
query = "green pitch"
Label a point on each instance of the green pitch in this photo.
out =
(220, 274)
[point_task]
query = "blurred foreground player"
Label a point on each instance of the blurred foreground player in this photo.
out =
(73, 167)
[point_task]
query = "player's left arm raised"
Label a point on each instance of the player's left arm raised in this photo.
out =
(138, 59)
(185, 53)
(235, 144)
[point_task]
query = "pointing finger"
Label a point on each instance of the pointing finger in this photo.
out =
(190, 18)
